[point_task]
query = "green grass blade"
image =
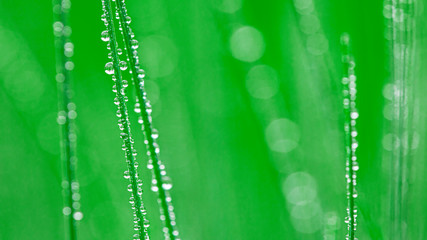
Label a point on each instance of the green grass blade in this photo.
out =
(66, 115)
(161, 182)
(401, 128)
(351, 114)
(113, 68)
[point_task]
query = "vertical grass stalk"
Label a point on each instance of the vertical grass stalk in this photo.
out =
(161, 182)
(67, 113)
(351, 144)
(141, 223)
(401, 44)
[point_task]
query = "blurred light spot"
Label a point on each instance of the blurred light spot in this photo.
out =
(388, 11)
(227, 6)
(307, 218)
(66, 211)
(23, 77)
(153, 91)
(303, 4)
(300, 188)
(388, 111)
(262, 82)
(78, 216)
(317, 44)
(48, 134)
(332, 220)
(389, 140)
(247, 44)
(282, 135)
(388, 91)
(309, 24)
(24, 85)
(160, 55)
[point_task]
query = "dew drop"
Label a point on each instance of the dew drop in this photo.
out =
(134, 44)
(167, 183)
(154, 133)
(128, 19)
(126, 174)
(109, 68)
(123, 65)
(104, 36)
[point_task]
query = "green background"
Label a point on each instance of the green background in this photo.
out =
(236, 175)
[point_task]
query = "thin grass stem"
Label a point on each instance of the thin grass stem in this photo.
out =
(161, 183)
(66, 116)
(351, 144)
(113, 68)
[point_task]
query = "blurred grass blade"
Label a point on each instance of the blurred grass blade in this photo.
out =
(113, 68)
(66, 115)
(403, 109)
(350, 114)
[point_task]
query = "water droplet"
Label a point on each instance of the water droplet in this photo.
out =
(128, 19)
(146, 223)
(154, 188)
(126, 174)
(134, 44)
(66, 211)
(78, 216)
(154, 133)
(109, 68)
(104, 36)
(167, 183)
(123, 65)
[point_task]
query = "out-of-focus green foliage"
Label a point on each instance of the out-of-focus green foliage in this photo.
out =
(247, 98)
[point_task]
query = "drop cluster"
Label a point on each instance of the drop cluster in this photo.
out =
(130, 65)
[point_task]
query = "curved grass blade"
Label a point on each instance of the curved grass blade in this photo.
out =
(66, 115)
(161, 182)
(113, 68)
(350, 114)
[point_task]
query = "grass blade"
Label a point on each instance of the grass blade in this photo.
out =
(66, 115)
(161, 182)
(113, 68)
(402, 100)
(351, 114)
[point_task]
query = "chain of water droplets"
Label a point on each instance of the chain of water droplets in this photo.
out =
(161, 183)
(351, 114)
(66, 115)
(114, 68)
